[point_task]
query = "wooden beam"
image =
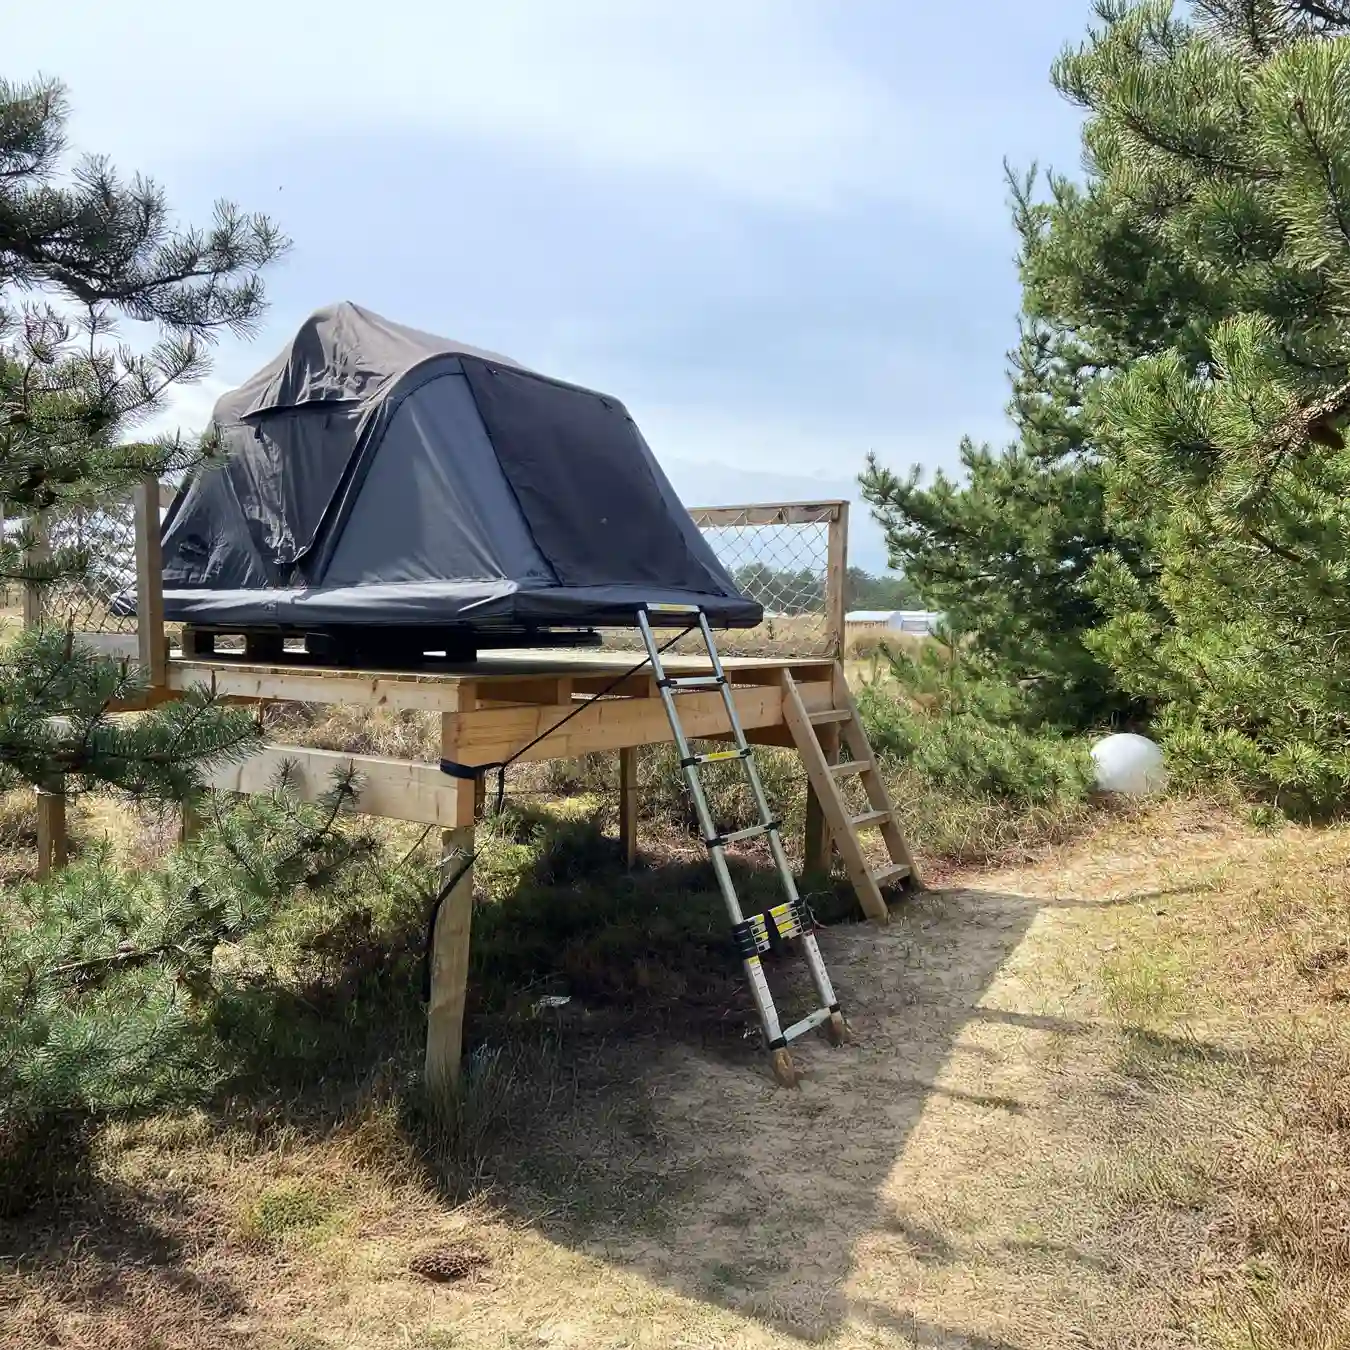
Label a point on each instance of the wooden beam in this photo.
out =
(767, 513)
(278, 685)
(190, 823)
(428, 690)
(52, 842)
(121, 646)
(628, 803)
(39, 552)
(398, 789)
(641, 685)
(611, 724)
(818, 844)
(153, 650)
(452, 931)
(836, 579)
(551, 690)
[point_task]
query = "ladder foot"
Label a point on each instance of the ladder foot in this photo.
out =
(784, 1070)
(839, 1031)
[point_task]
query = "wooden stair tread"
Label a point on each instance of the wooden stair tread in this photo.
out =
(868, 818)
(884, 874)
(816, 751)
(850, 766)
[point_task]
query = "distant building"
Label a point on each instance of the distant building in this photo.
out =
(917, 621)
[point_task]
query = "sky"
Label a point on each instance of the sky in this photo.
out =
(776, 229)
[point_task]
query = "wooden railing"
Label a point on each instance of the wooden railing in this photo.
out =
(148, 645)
(764, 515)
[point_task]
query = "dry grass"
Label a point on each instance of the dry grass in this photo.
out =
(797, 636)
(1097, 1101)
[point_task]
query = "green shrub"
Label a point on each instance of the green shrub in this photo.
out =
(110, 978)
(968, 754)
(1305, 772)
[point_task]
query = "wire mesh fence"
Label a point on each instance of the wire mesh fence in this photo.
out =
(99, 599)
(787, 556)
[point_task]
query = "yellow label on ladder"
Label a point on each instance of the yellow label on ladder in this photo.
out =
(722, 754)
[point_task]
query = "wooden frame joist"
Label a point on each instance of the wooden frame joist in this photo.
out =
(398, 789)
(769, 513)
(487, 735)
(502, 680)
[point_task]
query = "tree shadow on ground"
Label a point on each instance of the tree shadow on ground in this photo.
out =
(636, 1121)
(672, 1151)
(111, 1252)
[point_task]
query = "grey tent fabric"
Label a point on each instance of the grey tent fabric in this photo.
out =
(378, 475)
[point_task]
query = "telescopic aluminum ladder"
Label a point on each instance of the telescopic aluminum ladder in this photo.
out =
(791, 919)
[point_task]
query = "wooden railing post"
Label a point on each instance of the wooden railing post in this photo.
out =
(450, 934)
(836, 580)
(152, 650)
(51, 829)
(38, 551)
(628, 804)
(51, 800)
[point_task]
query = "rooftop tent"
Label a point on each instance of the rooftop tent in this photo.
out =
(379, 476)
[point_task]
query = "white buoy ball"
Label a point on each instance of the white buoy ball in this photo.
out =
(1130, 764)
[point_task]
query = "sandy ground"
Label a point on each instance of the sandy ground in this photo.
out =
(931, 1185)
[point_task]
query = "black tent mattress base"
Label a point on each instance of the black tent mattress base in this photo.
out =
(384, 646)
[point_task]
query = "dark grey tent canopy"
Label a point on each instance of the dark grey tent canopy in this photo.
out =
(380, 476)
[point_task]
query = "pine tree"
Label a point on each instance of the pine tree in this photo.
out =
(1218, 143)
(1176, 505)
(1005, 551)
(112, 1001)
(80, 250)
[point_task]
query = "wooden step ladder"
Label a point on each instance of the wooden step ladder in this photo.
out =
(825, 776)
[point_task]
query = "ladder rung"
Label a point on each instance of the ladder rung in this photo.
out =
(868, 818)
(695, 682)
(849, 766)
(830, 715)
(808, 1023)
(716, 756)
(752, 833)
(884, 874)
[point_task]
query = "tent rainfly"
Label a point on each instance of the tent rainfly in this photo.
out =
(377, 476)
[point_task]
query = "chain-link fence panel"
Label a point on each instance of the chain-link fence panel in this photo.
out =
(101, 598)
(789, 558)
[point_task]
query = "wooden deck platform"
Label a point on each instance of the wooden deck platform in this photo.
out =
(500, 707)
(492, 708)
(524, 705)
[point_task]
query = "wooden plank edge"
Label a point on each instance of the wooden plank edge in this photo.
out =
(397, 789)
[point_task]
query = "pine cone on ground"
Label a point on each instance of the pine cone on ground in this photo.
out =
(453, 1261)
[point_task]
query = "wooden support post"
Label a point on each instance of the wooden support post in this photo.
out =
(153, 651)
(450, 938)
(836, 578)
(51, 801)
(40, 551)
(466, 702)
(818, 843)
(628, 803)
(191, 823)
(51, 832)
